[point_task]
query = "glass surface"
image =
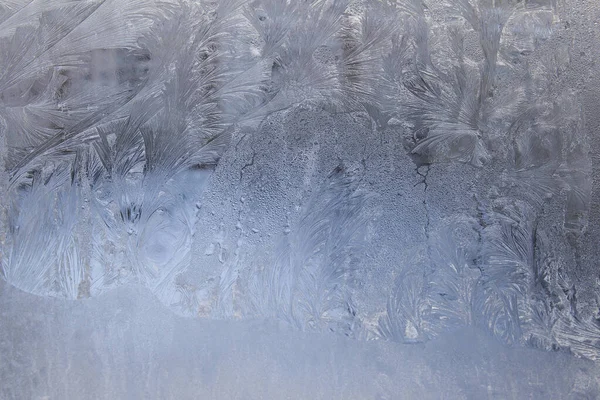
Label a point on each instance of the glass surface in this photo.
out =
(311, 199)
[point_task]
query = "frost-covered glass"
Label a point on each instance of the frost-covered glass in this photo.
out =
(264, 199)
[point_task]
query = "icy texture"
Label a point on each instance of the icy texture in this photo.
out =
(389, 170)
(126, 345)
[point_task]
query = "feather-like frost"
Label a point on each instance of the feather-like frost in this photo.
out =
(308, 284)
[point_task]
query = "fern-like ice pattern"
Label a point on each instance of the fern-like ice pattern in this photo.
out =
(117, 116)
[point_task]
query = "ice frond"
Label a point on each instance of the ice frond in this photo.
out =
(76, 28)
(507, 263)
(11, 7)
(535, 158)
(63, 43)
(406, 308)
(308, 284)
(448, 111)
(411, 7)
(363, 43)
(492, 23)
(304, 67)
(63, 139)
(445, 119)
(170, 154)
(436, 293)
(448, 141)
(43, 253)
(112, 25)
(451, 285)
(468, 11)
(576, 169)
(272, 20)
(331, 232)
(582, 337)
(576, 174)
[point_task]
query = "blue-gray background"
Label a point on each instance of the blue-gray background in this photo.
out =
(319, 199)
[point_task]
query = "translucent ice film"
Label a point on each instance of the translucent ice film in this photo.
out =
(299, 199)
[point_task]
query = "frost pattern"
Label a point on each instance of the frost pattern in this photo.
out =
(115, 116)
